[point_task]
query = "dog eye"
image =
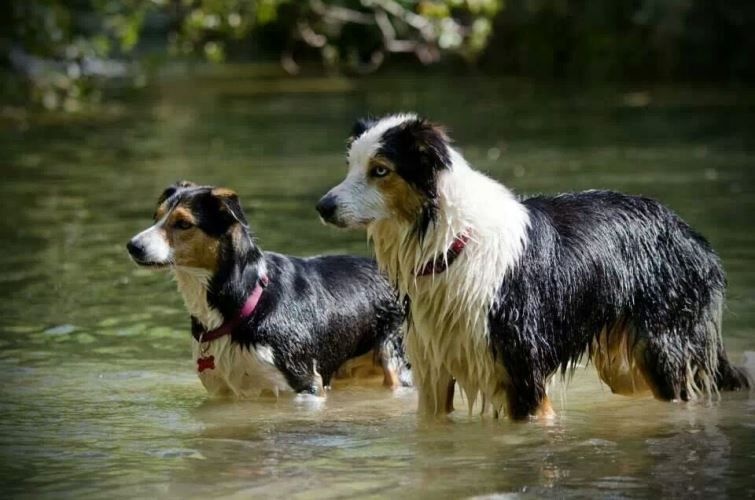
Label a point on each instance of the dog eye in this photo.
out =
(379, 171)
(183, 224)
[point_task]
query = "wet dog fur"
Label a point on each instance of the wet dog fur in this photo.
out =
(314, 315)
(542, 281)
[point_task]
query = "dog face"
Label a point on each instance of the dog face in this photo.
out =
(393, 166)
(190, 224)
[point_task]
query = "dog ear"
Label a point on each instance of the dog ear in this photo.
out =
(229, 203)
(429, 137)
(171, 190)
(430, 142)
(421, 151)
(360, 127)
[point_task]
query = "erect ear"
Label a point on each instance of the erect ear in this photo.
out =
(229, 203)
(171, 190)
(360, 127)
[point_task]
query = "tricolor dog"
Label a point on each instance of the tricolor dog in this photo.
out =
(263, 321)
(505, 292)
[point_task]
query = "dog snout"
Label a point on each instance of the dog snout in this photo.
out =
(135, 250)
(327, 207)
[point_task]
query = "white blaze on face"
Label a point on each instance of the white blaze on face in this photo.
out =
(359, 201)
(154, 243)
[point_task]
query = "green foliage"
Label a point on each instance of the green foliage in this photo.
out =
(351, 35)
(58, 48)
(56, 52)
(53, 44)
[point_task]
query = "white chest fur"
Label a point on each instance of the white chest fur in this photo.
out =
(192, 284)
(234, 369)
(238, 371)
(449, 338)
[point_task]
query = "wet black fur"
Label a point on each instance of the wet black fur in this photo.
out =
(360, 127)
(592, 260)
(597, 259)
(322, 310)
(417, 149)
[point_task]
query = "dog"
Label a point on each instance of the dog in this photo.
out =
(506, 292)
(262, 321)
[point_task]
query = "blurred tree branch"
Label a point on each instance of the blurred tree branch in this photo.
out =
(350, 35)
(58, 52)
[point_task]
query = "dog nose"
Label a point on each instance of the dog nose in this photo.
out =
(327, 206)
(135, 250)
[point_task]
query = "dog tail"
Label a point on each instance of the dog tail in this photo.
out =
(730, 377)
(727, 376)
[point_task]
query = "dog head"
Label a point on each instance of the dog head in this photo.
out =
(393, 168)
(191, 223)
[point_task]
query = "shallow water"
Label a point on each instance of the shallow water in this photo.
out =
(99, 397)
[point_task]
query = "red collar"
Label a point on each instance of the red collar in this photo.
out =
(246, 311)
(440, 264)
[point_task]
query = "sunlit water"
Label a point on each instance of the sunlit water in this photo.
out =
(99, 396)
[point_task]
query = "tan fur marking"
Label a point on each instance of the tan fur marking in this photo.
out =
(223, 192)
(363, 366)
(401, 199)
(182, 213)
(390, 378)
(237, 232)
(545, 409)
(161, 210)
(191, 247)
(619, 360)
(367, 366)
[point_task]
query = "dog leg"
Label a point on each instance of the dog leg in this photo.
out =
(435, 394)
(390, 373)
(524, 381)
(390, 378)
(523, 404)
(313, 384)
(663, 371)
(443, 389)
(449, 407)
(425, 401)
(730, 377)
(545, 410)
(527, 399)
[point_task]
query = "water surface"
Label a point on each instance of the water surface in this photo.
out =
(99, 397)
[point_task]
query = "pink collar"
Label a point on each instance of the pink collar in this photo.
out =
(246, 311)
(440, 264)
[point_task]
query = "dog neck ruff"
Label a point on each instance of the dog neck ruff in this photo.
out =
(246, 311)
(441, 263)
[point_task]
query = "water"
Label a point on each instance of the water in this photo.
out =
(99, 397)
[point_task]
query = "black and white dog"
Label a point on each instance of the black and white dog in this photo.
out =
(263, 321)
(506, 292)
